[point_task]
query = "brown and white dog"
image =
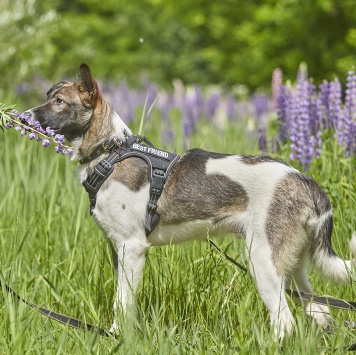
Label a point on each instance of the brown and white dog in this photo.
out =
(286, 217)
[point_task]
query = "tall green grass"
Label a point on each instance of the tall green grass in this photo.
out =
(191, 300)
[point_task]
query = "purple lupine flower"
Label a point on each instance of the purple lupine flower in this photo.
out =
(353, 129)
(59, 138)
(126, 102)
(230, 107)
(59, 149)
(314, 123)
(192, 110)
(168, 137)
(260, 103)
(322, 104)
(348, 137)
(25, 116)
(46, 142)
(129, 114)
(24, 123)
(37, 126)
(166, 107)
(277, 79)
(306, 141)
(262, 140)
(212, 105)
(50, 132)
(188, 118)
(302, 145)
(120, 98)
(197, 104)
(309, 114)
(293, 127)
(335, 103)
(275, 146)
(283, 112)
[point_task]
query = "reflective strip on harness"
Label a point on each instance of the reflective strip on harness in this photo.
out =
(159, 162)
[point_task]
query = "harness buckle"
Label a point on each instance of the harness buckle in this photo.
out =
(158, 180)
(155, 192)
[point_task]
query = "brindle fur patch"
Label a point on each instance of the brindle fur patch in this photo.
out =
(100, 127)
(132, 172)
(296, 201)
(57, 86)
(190, 194)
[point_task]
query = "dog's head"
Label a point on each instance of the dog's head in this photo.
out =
(70, 106)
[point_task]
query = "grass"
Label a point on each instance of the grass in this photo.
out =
(191, 299)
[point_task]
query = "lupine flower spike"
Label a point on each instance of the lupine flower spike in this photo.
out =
(27, 126)
(303, 114)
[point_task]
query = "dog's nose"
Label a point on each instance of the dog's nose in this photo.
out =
(28, 113)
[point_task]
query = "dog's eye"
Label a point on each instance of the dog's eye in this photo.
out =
(59, 101)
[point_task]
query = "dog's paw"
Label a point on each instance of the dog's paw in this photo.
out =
(114, 328)
(320, 313)
(282, 327)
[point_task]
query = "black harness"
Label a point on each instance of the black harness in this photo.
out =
(159, 163)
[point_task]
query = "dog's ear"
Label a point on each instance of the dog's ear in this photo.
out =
(87, 86)
(84, 78)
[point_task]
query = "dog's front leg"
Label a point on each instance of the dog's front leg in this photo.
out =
(130, 263)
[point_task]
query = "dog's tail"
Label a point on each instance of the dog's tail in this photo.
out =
(330, 265)
(322, 253)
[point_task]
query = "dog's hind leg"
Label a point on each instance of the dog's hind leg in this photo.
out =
(130, 264)
(319, 312)
(271, 286)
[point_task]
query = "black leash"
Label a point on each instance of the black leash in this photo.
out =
(61, 318)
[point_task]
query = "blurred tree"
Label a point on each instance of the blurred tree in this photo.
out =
(24, 44)
(224, 42)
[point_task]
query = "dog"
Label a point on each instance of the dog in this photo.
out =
(285, 217)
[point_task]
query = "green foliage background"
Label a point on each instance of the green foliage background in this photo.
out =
(228, 42)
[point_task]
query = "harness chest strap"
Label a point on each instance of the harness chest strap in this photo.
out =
(159, 162)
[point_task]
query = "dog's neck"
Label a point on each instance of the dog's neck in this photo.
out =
(105, 125)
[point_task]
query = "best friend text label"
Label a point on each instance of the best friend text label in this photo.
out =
(149, 150)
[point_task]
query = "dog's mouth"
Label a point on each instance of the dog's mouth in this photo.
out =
(70, 129)
(46, 127)
(35, 118)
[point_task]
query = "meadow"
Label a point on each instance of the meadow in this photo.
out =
(191, 299)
